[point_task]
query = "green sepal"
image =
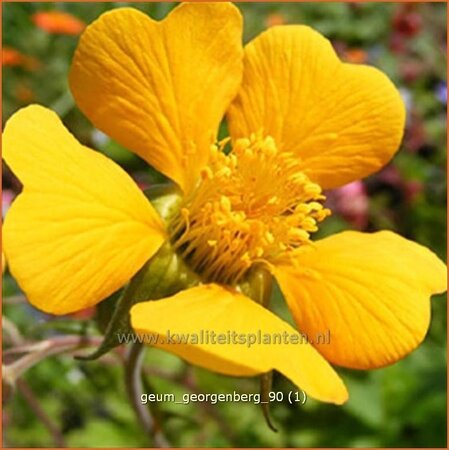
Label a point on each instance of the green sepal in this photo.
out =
(166, 200)
(257, 285)
(105, 311)
(163, 275)
(266, 382)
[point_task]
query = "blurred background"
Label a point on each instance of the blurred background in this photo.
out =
(64, 402)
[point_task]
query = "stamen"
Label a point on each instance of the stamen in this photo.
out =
(254, 205)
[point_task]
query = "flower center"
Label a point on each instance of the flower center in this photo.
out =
(253, 205)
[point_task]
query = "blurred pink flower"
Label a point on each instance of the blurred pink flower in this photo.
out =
(409, 189)
(7, 198)
(351, 202)
(407, 21)
(412, 189)
(84, 314)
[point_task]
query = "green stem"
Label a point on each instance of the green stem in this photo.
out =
(266, 381)
(40, 413)
(36, 352)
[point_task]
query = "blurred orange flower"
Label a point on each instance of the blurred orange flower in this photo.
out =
(13, 58)
(58, 22)
(23, 93)
(275, 19)
(355, 56)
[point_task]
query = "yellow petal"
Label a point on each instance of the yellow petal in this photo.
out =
(370, 290)
(81, 228)
(345, 121)
(161, 88)
(211, 308)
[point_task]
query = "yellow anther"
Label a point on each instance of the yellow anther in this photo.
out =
(312, 189)
(308, 222)
(225, 203)
(302, 208)
(299, 234)
(269, 237)
(299, 178)
(239, 216)
(322, 214)
(270, 146)
(245, 257)
(315, 206)
(241, 144)
(224, 172)
(248, 153)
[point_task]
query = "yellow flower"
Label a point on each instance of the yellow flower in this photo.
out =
(300, 120)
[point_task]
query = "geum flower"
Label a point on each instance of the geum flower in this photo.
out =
(300, 121)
